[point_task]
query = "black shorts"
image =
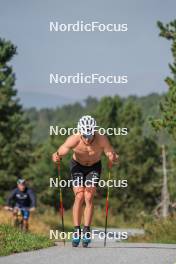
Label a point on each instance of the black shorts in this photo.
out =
(85, 176)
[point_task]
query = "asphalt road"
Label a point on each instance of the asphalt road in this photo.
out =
(114, 253)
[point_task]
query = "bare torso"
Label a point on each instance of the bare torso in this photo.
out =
(84, 151)
(88, 153)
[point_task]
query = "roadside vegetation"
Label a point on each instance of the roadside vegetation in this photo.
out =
(14, 241)
(158, 231)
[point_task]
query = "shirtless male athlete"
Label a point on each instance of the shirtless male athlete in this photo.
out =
(88, 146)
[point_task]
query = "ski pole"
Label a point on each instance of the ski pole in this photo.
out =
(61, 207)
(107, 202)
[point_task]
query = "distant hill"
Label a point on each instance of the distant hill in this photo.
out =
(70, 113)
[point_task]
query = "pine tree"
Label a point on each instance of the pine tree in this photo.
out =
(168, 107)
(15, 131)
(138, 157)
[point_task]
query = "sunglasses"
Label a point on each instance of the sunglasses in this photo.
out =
(87, 136)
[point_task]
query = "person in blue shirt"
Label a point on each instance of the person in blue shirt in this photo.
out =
(21, 198)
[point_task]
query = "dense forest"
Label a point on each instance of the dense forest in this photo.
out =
(140, 155)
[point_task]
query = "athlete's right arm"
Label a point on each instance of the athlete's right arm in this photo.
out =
(69, 144)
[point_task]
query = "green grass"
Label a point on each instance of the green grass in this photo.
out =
(158, 231)
(13, 241)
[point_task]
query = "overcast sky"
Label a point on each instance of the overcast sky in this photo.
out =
(139, 53)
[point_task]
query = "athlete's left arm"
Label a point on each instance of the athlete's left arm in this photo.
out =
(109, 150)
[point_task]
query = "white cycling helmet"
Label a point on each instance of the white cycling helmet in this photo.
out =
(87, 126)
(21, 181)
